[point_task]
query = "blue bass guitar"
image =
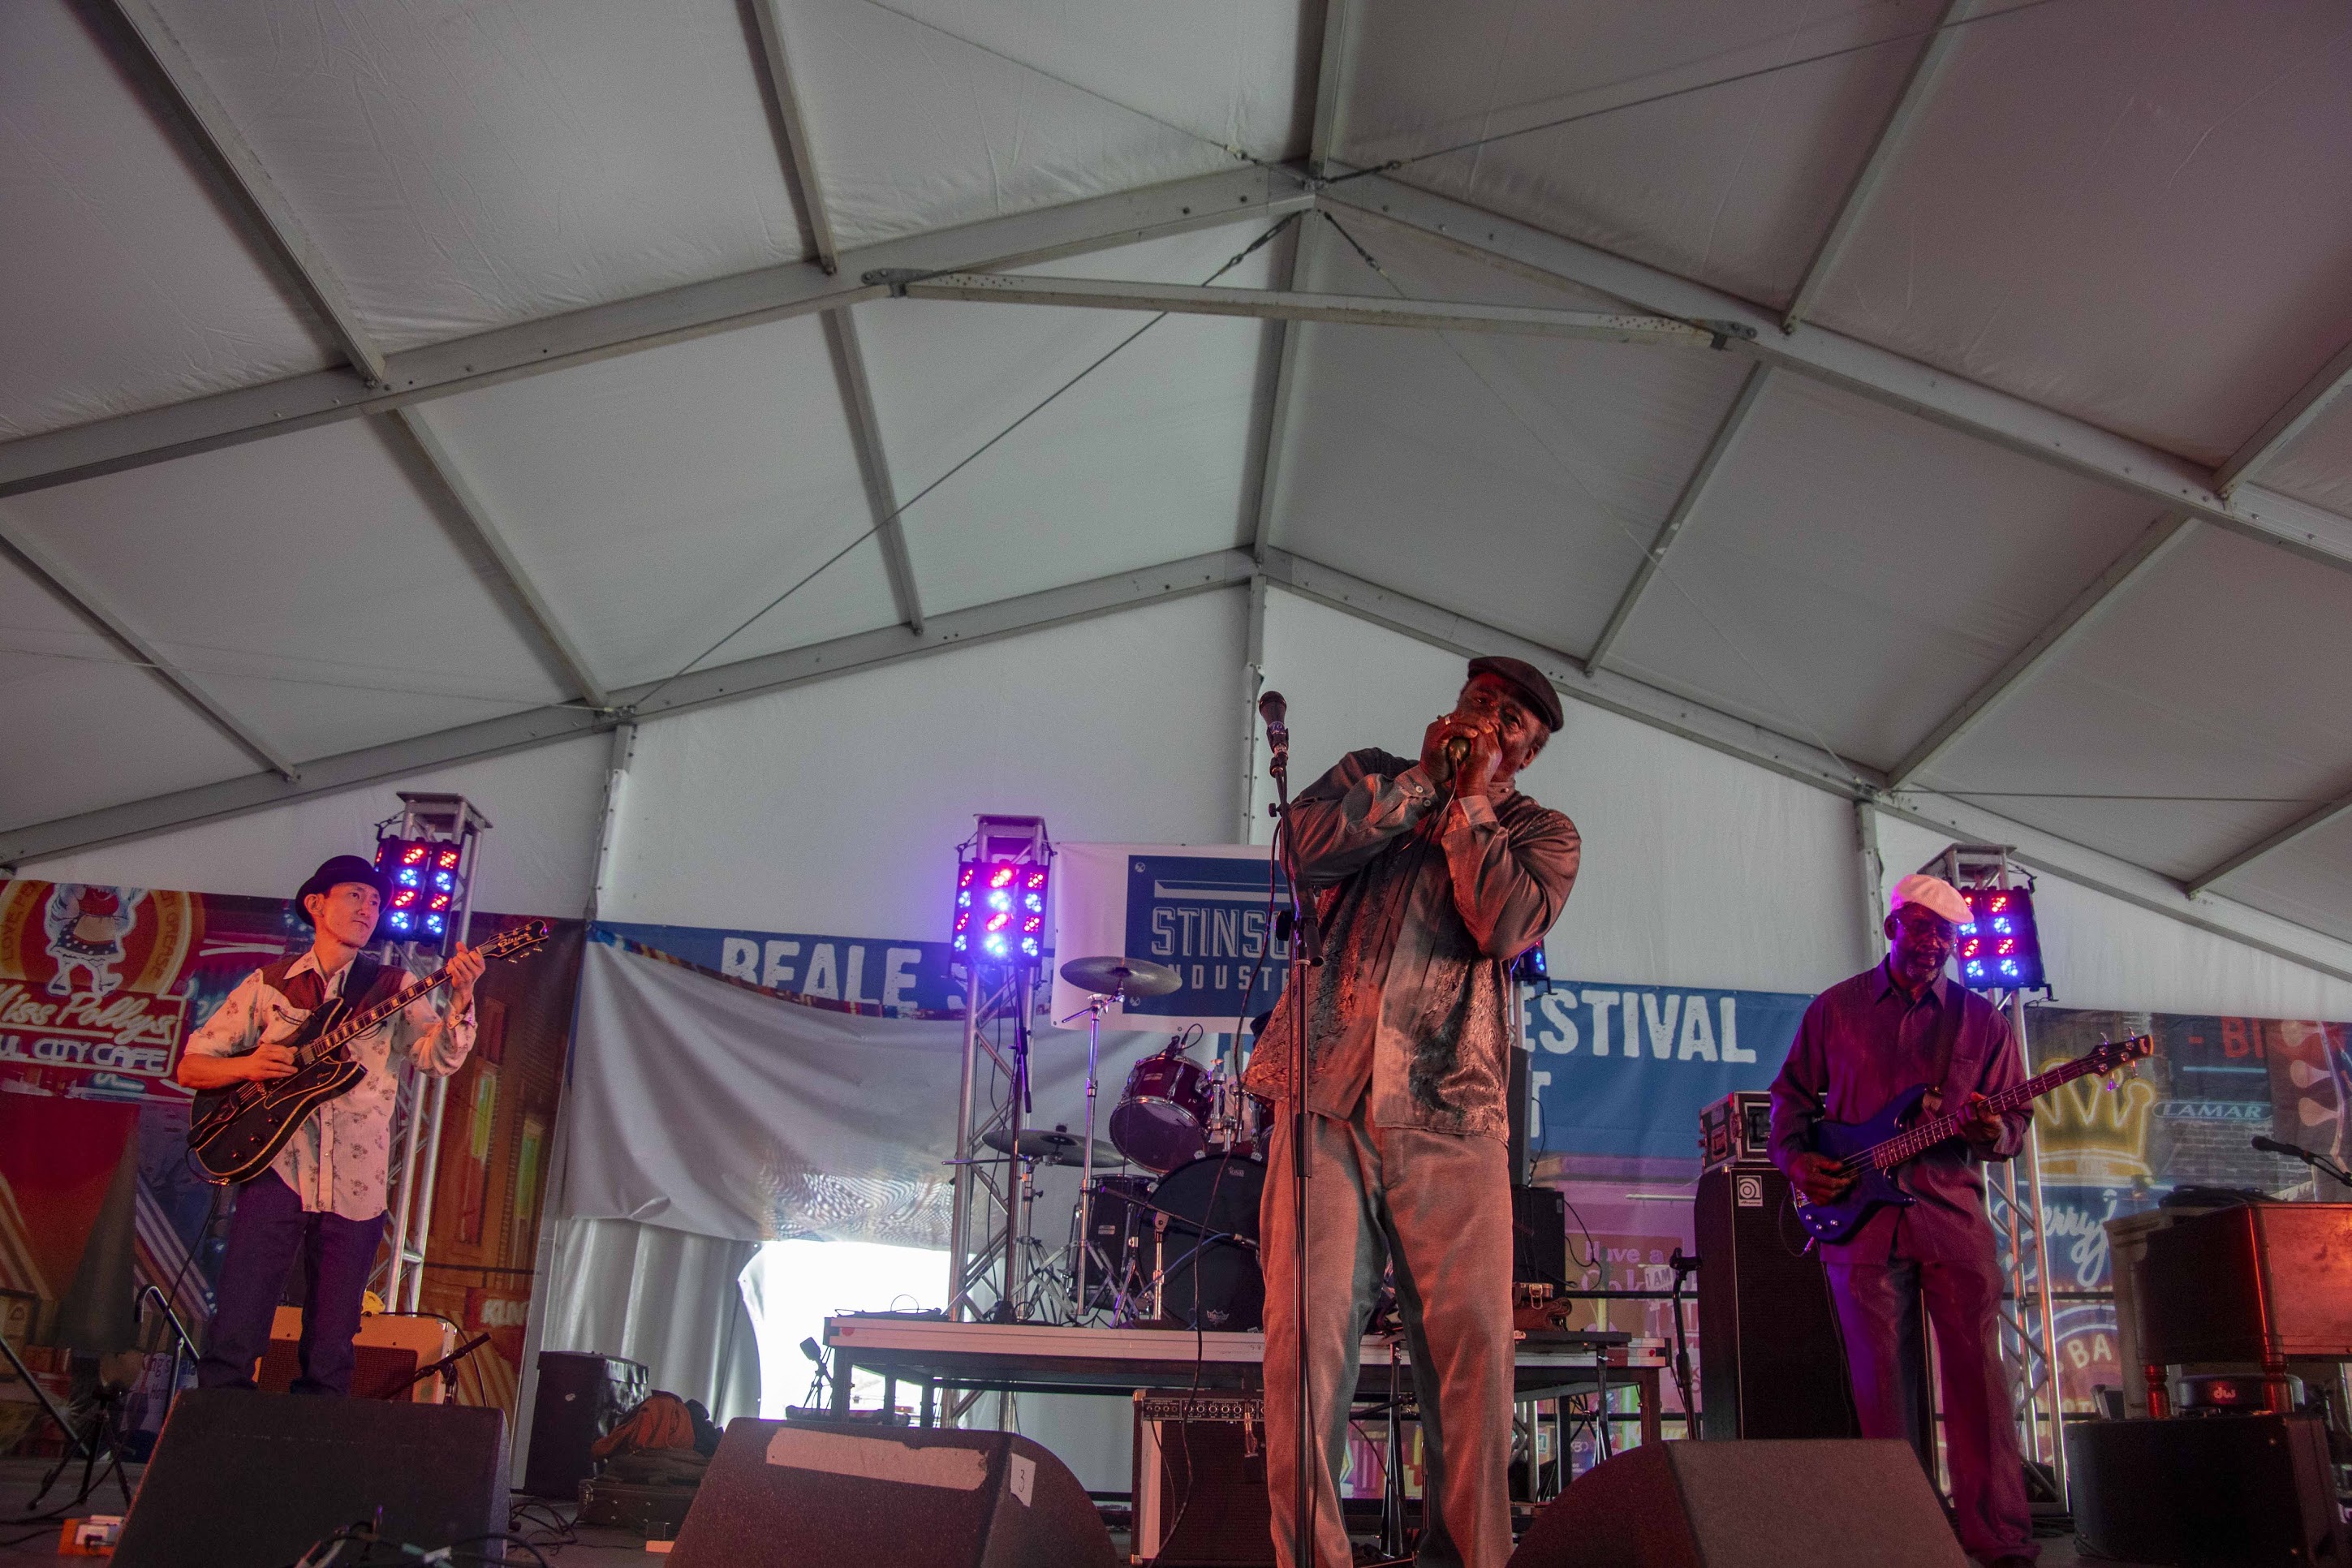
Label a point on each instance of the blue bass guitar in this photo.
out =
(1874, 1149)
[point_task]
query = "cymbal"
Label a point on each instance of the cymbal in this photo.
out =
(1115, 976)
(1053, 1146)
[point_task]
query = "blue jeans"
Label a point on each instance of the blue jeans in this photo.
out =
(266, 1235)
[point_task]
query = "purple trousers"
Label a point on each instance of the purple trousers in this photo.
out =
(1878, 1313)
(266, 1235)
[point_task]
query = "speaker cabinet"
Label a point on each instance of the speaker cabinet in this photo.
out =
(1747, 1505)
(1540, 1236)
(807, 1494)
(240, 1476)
(1770, 1362)
(2238, 1490)
(1200, 1481)
(582, 1396)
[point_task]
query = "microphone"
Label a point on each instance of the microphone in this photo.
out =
(2272, 1146)
(1272, 708)
(1457, 751)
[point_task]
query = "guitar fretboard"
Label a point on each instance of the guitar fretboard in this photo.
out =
(513, 943)
(1915, 1140)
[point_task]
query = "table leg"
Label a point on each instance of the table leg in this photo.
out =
(1646, 1379)
(843, 1369)
(889, 1396)
(1602, 1447)
(931, 1402)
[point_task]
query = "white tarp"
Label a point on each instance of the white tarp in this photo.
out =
(701, 1104)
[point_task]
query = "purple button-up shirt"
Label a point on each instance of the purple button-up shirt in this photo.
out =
(1861, 1043)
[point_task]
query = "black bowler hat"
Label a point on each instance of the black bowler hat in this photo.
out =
(1529, 682)
(333, 873)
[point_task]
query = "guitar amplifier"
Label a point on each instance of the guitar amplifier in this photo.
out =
(1200, 1481)
(1736, 1131)
(1770, 1362)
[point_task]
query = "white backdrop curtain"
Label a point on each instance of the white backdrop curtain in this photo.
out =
(662, 1297)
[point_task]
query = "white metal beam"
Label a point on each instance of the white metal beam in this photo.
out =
(1997, 417)
(85, 601)
(2281, 429)
(2302, 827)
(1884, 154)
(2127, 573)
(1348, 310)
(1265, 474)
(1727, 437)
(841, 342)
(631, 325)
(474, 515)
(699, 689)
(226, 146)
(2042, 851)
(1330, 87)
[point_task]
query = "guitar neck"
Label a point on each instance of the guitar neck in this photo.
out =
(351, 1028)
(1915, 1140)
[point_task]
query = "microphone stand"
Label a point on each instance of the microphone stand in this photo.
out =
(2311, 1157)
(1307, 948)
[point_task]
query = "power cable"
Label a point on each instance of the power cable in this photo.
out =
(1685, 91)
(895, 512)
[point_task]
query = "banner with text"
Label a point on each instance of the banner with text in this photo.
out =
(1625, 1069)
(1204, 910)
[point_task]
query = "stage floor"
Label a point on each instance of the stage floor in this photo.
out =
(594, 1548)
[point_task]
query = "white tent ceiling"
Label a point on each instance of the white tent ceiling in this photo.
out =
(385, 386)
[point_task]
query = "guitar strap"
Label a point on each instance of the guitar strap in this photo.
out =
(1947, 1037)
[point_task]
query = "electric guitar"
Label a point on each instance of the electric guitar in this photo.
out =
(1872, 1149)
(234, 1133)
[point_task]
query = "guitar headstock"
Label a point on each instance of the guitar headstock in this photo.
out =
(513, 943)
(2112, 1056)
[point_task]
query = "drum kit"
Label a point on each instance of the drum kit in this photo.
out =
(1180, 1244)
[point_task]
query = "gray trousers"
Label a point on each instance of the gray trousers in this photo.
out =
(1438, 1207)
(1878, 1312)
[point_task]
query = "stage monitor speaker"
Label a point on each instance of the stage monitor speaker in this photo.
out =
(1540, 1236)
(1770, 1362)
(2234, 1490)
(1747, 1505)
(807, 1494)
(240, 1476)
(582, 1396)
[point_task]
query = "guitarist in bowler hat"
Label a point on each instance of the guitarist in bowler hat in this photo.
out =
(323, 1200)
(1862, 1042)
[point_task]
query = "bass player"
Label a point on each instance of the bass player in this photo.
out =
(323, 1198)
(1862, 1042)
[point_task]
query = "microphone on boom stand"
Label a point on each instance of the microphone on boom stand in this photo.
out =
(2310, 1157)
(1271, 708)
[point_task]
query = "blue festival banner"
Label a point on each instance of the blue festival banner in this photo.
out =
(1625, 1069)
(893, 975)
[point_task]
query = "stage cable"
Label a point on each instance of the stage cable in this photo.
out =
(899, 510)
(1737, 76)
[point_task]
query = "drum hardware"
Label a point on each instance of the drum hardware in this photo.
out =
(1058, 1147)
(1111, 980)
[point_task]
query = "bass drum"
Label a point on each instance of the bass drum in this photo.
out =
(1162, 1120)
(1211, 1280)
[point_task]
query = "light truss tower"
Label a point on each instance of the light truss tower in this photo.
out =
(990, 1266)
(2029, 1331)
(437, 819)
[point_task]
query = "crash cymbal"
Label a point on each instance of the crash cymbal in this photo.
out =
(1056, 1146)
(1114, 976)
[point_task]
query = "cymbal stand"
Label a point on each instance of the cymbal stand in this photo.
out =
(1094, 1009)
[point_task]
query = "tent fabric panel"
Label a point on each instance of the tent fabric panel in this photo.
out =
(1855, 573)
(307, 581)
(87, 734)
(846, 798)
(660, 499)
(1732, 184)
(1545, 468)
(546, 808)
(1142, 461)
(925, 114)
(2303, 883)
(2222, 676)
(464, 166)
(2108, 208)
(129, 285)
(1696, 865)
(2316, 465)
(1545, 465)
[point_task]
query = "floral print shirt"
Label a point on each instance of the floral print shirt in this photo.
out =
(338, 1161)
